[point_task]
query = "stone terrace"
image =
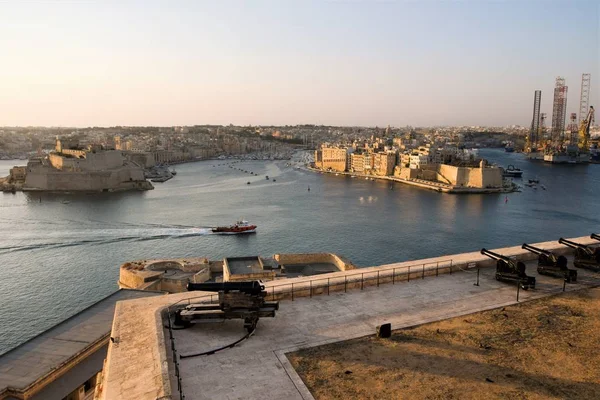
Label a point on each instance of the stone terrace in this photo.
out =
(258, 368)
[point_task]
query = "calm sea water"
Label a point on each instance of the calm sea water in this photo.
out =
(61, 253)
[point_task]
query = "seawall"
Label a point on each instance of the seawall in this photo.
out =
(421, 183)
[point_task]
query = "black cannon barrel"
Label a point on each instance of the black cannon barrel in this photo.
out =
(572, 244)
(251, 287)
(493, 255)
(535, 250)
(595, 236)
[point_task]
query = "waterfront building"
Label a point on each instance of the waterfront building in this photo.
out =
(418, 160)
(404, 160)
(357, 162)
(332, 158)
(369, 163)
(385, 163)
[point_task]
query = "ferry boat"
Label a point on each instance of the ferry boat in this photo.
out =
(238, 228)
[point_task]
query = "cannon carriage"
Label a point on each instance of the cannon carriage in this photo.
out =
(243, 300)
(551, 264)
(585, 256)
(508, 270)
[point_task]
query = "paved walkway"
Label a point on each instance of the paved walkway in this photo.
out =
(258, 368)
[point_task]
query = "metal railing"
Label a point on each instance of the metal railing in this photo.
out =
(360, 280)
(175, 360)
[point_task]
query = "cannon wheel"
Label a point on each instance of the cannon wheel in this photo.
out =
(250, 323)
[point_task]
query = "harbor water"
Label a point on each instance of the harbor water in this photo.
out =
(60, 253)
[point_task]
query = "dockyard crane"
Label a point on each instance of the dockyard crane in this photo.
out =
(584, 131)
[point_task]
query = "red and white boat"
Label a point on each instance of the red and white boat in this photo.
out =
(238, 228)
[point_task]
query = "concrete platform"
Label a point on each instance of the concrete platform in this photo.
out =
(258, 368)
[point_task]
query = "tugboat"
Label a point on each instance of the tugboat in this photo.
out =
(239, 227)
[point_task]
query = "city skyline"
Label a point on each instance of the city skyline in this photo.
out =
(265, 63)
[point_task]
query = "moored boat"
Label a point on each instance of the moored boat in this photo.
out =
(238, 228)
(512, 172)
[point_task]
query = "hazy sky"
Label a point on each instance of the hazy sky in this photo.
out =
(288, 62)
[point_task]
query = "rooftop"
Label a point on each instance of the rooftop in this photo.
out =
(244, 265)
(31, 362)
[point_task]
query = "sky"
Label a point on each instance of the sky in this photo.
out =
(352, 62)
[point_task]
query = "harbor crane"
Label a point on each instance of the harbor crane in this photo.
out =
(584, 131)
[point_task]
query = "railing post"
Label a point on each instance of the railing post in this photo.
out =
(437, 267)
(564, 284)
(409, 273)
(327, 286)
(362, 281)
(423, 275)
(393, 276)
(518, 287)
(345, 283)
(477, 284)
(310, 285)
(292, 291)
(377, 278)
(272, 293)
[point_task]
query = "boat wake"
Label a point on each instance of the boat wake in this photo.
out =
(102, 237)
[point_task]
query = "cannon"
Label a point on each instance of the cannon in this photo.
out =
(508, 270)
(243, 300)
(552, 265)
(250, 287)
(585, 256)
(595, 236)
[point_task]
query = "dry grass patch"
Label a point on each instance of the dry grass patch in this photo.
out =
(542, 349)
